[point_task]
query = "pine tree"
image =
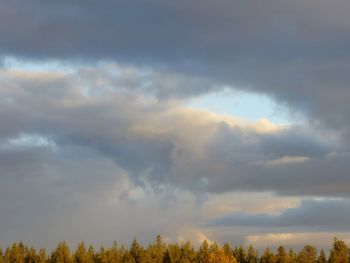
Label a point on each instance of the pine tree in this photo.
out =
(42, 257)
(7, 255)
(268, 257)
(203, 253)
(217, 255)
(172, 254)
(281, 256)
(187, 252)
(101, 256)
(339, 252)
(322, 257)
(252, 255)
(1, 256)
(15, 254)
(128, 258)
(156, 250)
(240, 254)
(292, 256)
(137, 251)
(61, 254)
(81, 255)
(113, 254)
(307, 255)
(228, 250)
(31, 256)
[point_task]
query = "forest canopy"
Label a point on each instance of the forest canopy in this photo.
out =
(162, 252)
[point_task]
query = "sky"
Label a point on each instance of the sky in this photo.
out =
(221, 120)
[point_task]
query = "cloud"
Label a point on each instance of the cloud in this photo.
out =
(309, 216)
(293, 51)
(247, 202)
(284, 160)
(84, 142)
(163, 142)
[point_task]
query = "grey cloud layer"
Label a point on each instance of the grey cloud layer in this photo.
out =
(295, 51)
(163, 143)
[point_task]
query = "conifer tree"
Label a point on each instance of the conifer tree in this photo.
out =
(61, 254)
(267, 257)
(31, 256)
(322, 257)
(203, 253)
(128, 258)
(81, 255)
(228, 250)
(307, 255)
(173, 253)
(156, 250)
(15, 254)
(217, 255)
(101, 256)
(42, 257)
(240, 254)
(281, 256)
(252, 255)
(137, 251)
(114, 254)
(187, 252)
(292, 256)
(339, 252)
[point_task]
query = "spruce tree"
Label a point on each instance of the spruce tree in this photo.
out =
(339, 252)
(203, 252)
(307, 255)
(61, 254)
(240, 254)
(136, 251)
(322, 257)
(281, 256)
(172, 254)
(252, 255)
(42, 257)
(267, 257)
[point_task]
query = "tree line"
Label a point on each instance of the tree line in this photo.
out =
(161, 252)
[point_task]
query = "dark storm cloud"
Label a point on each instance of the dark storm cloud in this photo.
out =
(294, 51)
(310, 216)
(200, 30)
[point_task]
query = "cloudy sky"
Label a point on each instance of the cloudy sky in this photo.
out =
(220, 120)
